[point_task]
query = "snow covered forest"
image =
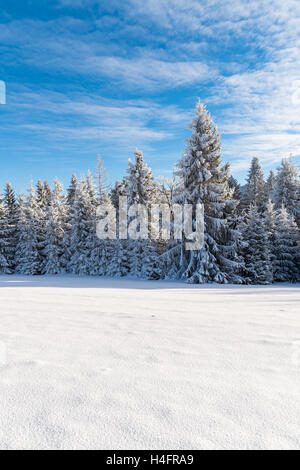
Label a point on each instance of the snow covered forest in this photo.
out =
(251, 232)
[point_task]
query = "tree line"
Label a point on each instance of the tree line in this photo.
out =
(251, 232)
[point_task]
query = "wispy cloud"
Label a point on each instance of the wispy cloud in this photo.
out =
(133, 70)
(75, 119)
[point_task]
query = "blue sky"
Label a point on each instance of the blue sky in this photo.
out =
(104, 77)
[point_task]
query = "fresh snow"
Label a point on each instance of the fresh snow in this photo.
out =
(95, 363)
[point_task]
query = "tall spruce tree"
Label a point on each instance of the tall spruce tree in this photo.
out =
(53, 251)
(203, 180)
(256, 249)
(270, 186)
(118, 190)
(4, 239)
(237, 192)
(71, 192)
(10, 203)
(70, 201)
(255, 188)
(287, 189)
(141, 189)
(140, 186)
(28, 258)
(102, 250)
(83, 229)
(286, 265)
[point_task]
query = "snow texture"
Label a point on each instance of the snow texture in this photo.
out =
(96, 363)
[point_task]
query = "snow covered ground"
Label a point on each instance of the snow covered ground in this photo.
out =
(124, 364)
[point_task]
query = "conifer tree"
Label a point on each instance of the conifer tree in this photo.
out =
(102, 250)
(118, 265)
(71, 192)
(256, 250)
(54, 232)
(204, 181)
(83, 230)
(255, 187)
(287, 189)
(70, 200)
(270, 186)
(140, 186)
(28, 259)
(42, 195)
(4, 239)
(48, 192)
(237, 192)
(118, 191)
(141, 189)
(285, 247)
(11, 234)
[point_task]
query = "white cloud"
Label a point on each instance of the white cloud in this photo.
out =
(248, 49)
(78, 120)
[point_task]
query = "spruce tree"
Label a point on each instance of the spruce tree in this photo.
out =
(256, 250)
(237, 192)
(70, 201)
(54, 232)
(42, 196)
(255, 187)
(141, 189)
(140, 185)
(71, 192)
(48, 192)
(270, 186)
(28, 259)
(287, 189)
(83, 230)
(285, 247)
(117, 191)
(102, 250)
(11, 206)
(204, 181)
(5, 267)
(118, 265)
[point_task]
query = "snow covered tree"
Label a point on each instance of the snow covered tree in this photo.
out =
(71, 192)
(54, 232)
(287, 189)
(237, 191)
(257, 249)
(141, 189)
(270, 218)
(10, 203)
(269, 222)
(286, 265)
(140, 186)
(83, 229)
(118, 191)
(118, 265)
(255, 187)
(4, 239)
(48, 193)
(28, 259)
(102, 187)
(103, 249)
(42, 196)
(203, 180)
(270, 186)
(70, 200)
